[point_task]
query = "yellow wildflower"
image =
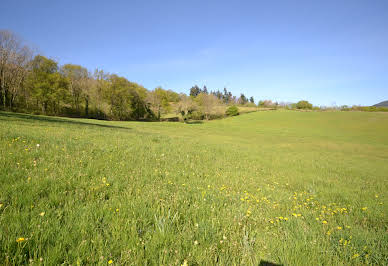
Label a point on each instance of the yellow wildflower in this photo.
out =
(356, 256)
(20, 239)
(364, 208)
(42, 214)
(339, 227)
(324, 222)
(110, 261)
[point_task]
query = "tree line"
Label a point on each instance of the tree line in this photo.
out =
(37, 84)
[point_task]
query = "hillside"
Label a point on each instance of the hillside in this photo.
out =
(382, 104)
(264, 186)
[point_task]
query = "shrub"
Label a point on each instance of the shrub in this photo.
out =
(232, 111)
(213, 116)
(197, 115)
(304, 105)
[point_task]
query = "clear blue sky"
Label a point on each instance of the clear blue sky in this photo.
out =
(321, 51)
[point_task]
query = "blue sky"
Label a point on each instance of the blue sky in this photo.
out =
(323, 51)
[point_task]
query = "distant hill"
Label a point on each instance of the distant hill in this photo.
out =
(382, 104)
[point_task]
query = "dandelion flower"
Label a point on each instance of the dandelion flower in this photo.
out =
(20, 239)
(339, 228)
(364, 208)
(324, 222)
(110, 261)
(42, 214)
(355, 256)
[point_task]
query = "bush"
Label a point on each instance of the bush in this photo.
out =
(197, 115)
(304, 105)
(232, 111)
(214, 116)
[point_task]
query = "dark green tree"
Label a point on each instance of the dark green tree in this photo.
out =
(195, 91)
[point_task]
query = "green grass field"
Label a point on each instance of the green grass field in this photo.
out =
(287, 187)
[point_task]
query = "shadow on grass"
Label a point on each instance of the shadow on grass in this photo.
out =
(84, 122)
(267, 263)
(194, 122)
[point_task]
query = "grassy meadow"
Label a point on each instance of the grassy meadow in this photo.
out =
(286, 187)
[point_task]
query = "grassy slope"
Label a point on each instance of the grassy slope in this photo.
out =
(162, 193)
